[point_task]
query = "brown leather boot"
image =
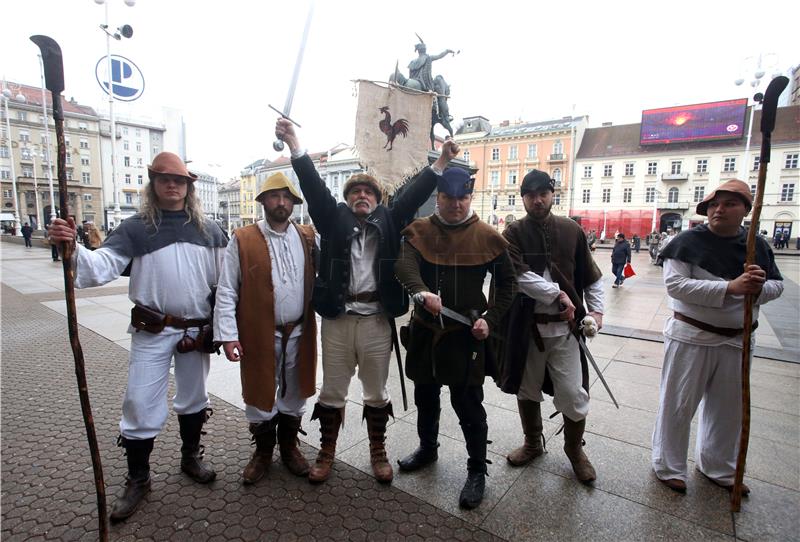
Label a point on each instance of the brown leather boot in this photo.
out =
(191, 428)
(330, 420)
(288, 426)
(377, 418)
(137, 484)
(573, 447)
(530, 413)
(264, 437)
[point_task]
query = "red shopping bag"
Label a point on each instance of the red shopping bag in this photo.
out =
(628, 272)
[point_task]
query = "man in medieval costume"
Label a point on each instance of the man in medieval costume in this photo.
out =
(706, 280)
(174, 256)
(357, 294)
(264, 318)
(443, 262)
(556, 274)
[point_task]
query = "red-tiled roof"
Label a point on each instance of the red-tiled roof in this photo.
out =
(33, 96)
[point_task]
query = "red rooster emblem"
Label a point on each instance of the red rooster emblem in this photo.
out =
(392, 130)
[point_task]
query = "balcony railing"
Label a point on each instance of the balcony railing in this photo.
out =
(674, 176)
(674, 205)
(556, 157)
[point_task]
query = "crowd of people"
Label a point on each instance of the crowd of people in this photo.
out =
(364, 263)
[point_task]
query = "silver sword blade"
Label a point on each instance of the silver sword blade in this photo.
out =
(588, 354)
(287, 108)
(453, 315)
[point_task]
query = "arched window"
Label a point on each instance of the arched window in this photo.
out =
(672, 195)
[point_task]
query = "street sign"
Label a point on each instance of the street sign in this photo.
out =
(127, 81)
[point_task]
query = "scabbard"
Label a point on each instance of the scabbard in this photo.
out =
(396, 345)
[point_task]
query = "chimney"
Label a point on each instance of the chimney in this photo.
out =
(606, 124)
(504, 124)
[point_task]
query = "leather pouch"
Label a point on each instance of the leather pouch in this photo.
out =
(145, 319)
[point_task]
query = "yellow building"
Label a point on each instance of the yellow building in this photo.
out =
(503, 154)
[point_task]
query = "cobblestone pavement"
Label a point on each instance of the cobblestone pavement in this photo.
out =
(47, 482)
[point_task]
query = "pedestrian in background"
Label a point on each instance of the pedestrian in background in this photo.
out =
(637, 242)
(620, 255)
(27, 232)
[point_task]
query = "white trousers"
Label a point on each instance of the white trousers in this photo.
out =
(562, 358)
(351, 341)
(708, 376)
(144, 409)
(291, 403)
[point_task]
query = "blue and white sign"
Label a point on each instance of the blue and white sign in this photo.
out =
(127, 81)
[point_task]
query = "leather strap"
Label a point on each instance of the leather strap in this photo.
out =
(363, 297)
(183, 323)
(541, 318)
(724, 331)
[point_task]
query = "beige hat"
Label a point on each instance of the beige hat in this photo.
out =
(168, 163)
(734, 186)
(278, 181)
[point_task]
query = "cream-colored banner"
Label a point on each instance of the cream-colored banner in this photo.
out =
(393, 128)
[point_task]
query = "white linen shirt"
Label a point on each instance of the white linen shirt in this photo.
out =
(698, 294)
(287, 261)
(174, 280)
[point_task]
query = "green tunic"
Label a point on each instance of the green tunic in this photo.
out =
(452, 261)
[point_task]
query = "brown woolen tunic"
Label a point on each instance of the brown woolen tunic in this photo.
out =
(255, 318)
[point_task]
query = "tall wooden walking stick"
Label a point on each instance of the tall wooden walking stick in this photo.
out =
(768, 110)
(54, 81)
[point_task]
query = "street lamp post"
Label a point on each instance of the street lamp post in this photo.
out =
(760, 63)
(127, 32)
(39, 218)
(6, 94)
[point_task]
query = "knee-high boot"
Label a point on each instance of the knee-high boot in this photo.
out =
(377, 418)
(137, 484)
(530, 414)
(264, 437)
(573, 447)
(330, 420)
(288, 427)
(191, 428)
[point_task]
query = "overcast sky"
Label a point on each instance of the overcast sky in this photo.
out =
(222, 62)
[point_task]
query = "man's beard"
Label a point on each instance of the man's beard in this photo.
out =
(539, 212)
(279, 215)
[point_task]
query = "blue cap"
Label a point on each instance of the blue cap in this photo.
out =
(455, 182)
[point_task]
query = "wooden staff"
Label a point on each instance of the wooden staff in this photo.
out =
(54, 81)
(768, 110)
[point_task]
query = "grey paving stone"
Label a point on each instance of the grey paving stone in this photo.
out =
(545, 506)
(770, 513)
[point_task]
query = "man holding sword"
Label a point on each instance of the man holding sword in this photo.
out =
(443, 263)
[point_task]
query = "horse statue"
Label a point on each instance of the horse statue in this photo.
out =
(440, 112)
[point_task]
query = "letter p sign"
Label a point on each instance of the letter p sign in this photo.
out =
(127, 81)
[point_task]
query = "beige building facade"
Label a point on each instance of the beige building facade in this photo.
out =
(30, 156)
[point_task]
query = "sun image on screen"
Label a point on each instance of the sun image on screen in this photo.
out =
(699, 122)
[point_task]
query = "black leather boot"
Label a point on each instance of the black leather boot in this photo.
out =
(191, 427)
(428, 450)
(472, 493)
(137, 484)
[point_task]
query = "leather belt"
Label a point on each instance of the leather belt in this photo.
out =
(541, 318)
(724, 331)
(363, 297)
(183, 323)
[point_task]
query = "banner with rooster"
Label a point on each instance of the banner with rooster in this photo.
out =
(393, 127)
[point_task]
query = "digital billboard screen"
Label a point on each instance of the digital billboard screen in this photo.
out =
(700, 122)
